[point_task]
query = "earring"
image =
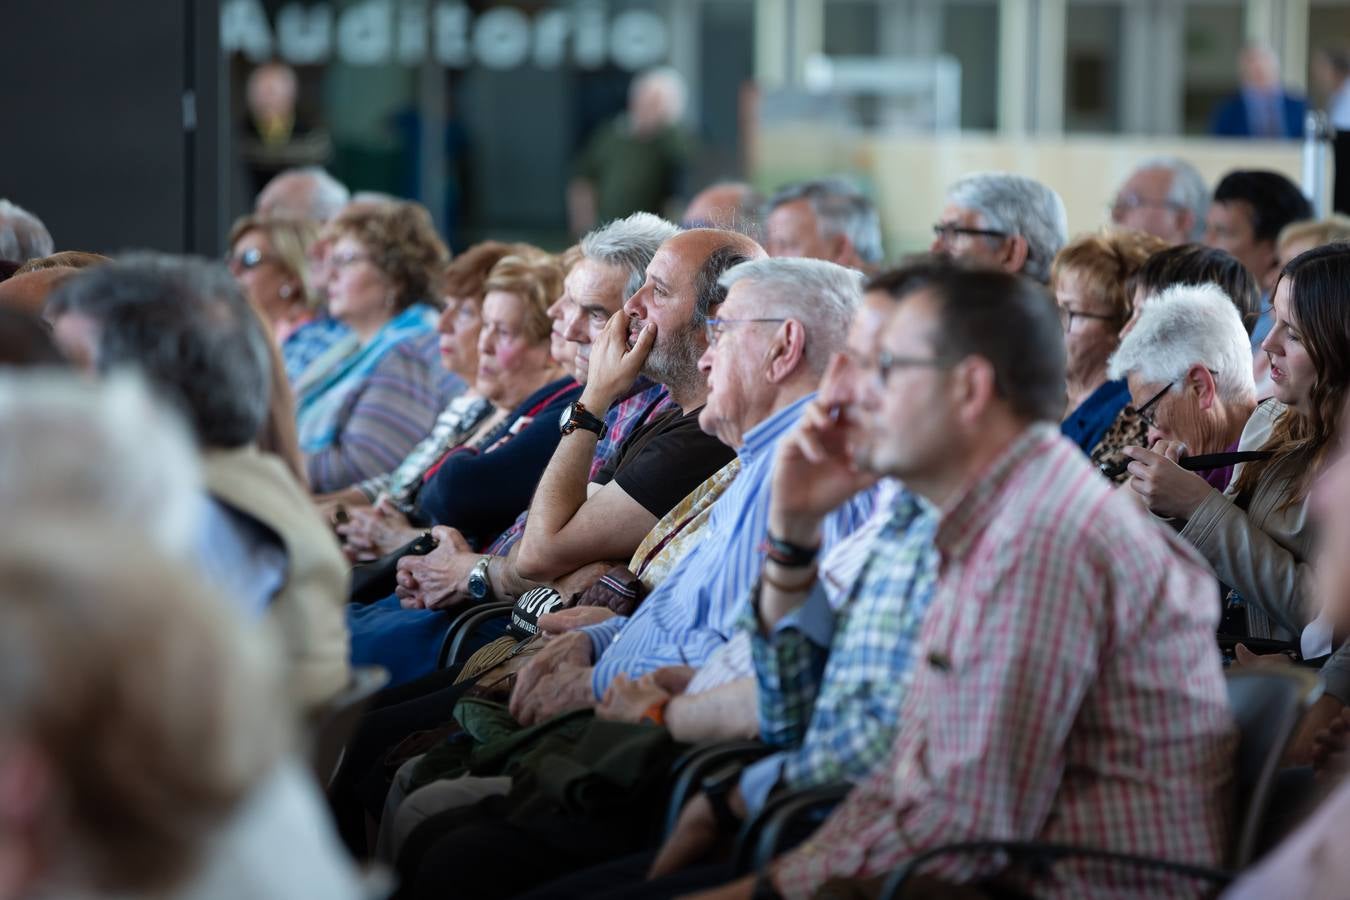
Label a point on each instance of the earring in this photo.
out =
(285, 291)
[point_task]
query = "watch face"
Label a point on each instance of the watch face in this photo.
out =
(566, 415)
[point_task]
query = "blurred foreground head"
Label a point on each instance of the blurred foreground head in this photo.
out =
(135, 714)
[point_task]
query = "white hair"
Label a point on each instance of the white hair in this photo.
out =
(822, 296)
(1188, 189)
(107, 449)
(22, 234)
(669, 82)
(1184, 326)
(841, 209)
(1017, 205)
(629, 244)
(321, 196)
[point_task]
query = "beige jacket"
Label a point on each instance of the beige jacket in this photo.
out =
(1264, 552)
(309, 612)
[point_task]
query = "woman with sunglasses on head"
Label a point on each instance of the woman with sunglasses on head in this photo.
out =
(1088, 279)
(268, 257)
(369, 398)
(1256, 533)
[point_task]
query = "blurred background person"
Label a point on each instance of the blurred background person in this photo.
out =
(269, 257)
(1088, 281)
(637, 162)
(22, 234)
(1164, 196)
(1331, 76)
(1194, 264)
(384, 263)
(828, 219)
(278, 132)
(729, 205)
(1004, 221)
(1262, 108)
(307, 192)
(1248, 211)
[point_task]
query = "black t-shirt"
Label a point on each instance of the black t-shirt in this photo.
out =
(664, 459)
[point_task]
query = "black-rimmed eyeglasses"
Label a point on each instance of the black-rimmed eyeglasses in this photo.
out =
(1152, 402)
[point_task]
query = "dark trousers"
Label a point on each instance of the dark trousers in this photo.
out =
(627, 878)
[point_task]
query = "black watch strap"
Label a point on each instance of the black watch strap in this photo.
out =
(584, 419)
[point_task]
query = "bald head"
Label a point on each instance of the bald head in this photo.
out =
(28, 292)
(730, 205)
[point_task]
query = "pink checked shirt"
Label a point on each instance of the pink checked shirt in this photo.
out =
(1068, 689)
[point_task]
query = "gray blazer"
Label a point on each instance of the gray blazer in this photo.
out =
(1263, 553)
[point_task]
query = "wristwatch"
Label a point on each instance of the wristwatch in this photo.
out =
(577, 416)
(479, 583)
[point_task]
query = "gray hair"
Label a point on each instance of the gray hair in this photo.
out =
(1189, 325)
(629, 244)
(822, 295)
(321, 195)
(1188, 188)
(185, 325)
(22, 234)
(841, 209)
(107, 449)
(1017, 205)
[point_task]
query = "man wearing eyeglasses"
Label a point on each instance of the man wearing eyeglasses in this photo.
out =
(1164, 196)
(1002, 221)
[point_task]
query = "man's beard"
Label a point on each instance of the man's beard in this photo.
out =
(674, 361)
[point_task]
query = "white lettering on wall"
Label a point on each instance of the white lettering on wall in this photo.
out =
(379, 32)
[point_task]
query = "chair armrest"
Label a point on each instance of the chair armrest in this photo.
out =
(768, 835)
(698, 764)
(463, 625)
(1042, 855)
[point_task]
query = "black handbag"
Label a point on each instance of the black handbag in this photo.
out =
(377, 579)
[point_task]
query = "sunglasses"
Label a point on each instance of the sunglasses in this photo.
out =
(249, 259)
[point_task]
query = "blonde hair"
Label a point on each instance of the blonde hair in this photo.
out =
(536, 278)
(290, 240)
(1331, 230)
(151, 710)
(1105, 261)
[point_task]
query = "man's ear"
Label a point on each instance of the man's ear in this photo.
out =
(1200, 382)
(787, 352)
(1015, 253)
(974, 389)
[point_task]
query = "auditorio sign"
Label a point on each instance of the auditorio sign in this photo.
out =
(384, 32)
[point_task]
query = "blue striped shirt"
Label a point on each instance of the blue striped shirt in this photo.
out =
(695, 609)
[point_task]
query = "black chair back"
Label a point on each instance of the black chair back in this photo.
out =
(334, 723)
(1268, 704)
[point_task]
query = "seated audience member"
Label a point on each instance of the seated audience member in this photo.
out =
(1043, 640)
(1186, 364)
(22, 234)
(157, 673)
(28, 292)
(1256, 533)
(457, 333)
(1193, 265)
(729, 205)
(66, 259)
(307, 193)
(1299, 237)
(1249, 210)
(26, 340)
(270, 259)
(1003, 221)
(1088, 280)
(383, 267)
(1311, 863)
(827, 219)
(1163, 196)
(768, 348)
(187, 328)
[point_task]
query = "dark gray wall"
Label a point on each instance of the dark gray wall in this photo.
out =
(94, 141)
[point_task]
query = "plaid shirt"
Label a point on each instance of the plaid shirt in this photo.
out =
(831, 689)
(646, 400)
(1069, 692)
